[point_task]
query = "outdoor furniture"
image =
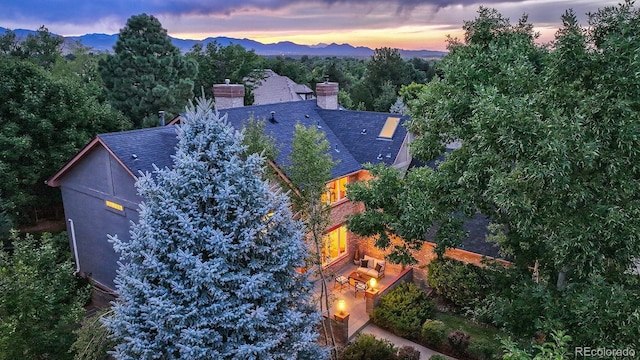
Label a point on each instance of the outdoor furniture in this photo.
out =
(372, 267)
(341, 280)
(359, 287)
(360, 282)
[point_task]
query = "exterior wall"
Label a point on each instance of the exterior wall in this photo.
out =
(94, 180)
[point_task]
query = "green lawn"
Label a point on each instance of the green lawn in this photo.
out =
(476, 331)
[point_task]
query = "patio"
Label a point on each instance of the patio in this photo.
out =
(355, 304)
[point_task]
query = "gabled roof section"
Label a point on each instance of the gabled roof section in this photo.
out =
(276, 88)
(358, 131)
(287, 115)
(139, 150)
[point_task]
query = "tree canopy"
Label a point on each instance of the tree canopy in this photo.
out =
(549, 141)
(210, 266)
(45, 121)
(147, 73)
(40, 299)
(217, 63)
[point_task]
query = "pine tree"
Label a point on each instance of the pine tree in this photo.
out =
(147, 73)
(209, 270)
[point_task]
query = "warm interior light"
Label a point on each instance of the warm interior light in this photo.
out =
(341, 306)
(372, 283)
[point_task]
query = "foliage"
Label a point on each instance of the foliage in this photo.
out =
(548, 153)
(459, 341)
(437, 357)
(460, 283)
(556, 350)
(41, 48)
(45, 121)
(309, 172)
(93, 340)
(403, 310)
(311, 165)
(482, 349)
(147, 73)
(394, 207)
(209, 269)
(40, 300)
(217, 63)
(407, 352)
(433, 332)
(368, 347)
(257, 142)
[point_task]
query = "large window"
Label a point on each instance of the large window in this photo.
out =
(336, 190)
(335, 245)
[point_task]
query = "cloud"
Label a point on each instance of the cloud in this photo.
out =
(84, 11)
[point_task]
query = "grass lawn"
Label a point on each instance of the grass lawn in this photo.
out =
(456, 322)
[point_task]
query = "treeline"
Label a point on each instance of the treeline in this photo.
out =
(54, 103)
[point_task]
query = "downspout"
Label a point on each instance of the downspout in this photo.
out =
(75, 247)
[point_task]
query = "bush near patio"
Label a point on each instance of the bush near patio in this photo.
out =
(448, 333)
(368, 347)
(459, 283)
(403, 310)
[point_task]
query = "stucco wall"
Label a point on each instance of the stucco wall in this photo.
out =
(85, 188)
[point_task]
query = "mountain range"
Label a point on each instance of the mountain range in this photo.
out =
(105, 43)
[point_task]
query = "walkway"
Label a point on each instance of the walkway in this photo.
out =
(425, 353)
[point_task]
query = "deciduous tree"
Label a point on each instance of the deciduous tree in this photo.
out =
(45, 121)
(548, 151)
(40, 300)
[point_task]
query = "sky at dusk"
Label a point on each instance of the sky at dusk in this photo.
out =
(403, 24)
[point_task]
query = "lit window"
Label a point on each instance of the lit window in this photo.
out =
(336, 190)
(389, 128)
(335, 245)
(113, 205)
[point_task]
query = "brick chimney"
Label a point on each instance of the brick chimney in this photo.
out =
(327, 94)
(228, 95)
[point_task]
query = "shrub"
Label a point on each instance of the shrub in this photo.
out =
(367, 347)
(438, 357)
(408, 353)
(93, 340)
(482, 349)
(434, 332)
(459, 341)
(460, 283)
(403, 310)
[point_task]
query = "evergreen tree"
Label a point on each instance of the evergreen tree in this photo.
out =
(209, 270)
(147, 73)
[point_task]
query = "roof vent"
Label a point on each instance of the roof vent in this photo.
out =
(379, 156)
(273, 118)
(326, 79)
(363, 132)
(227, 81)
(388, 156)
(306, 115)
(336, 148)
(318, 125)
(134, 156)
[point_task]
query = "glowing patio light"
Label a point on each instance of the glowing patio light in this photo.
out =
(341, 306)
(372, 283)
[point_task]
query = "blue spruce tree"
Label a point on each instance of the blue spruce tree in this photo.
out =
(209, 270)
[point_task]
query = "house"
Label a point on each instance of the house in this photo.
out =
(100, 198)
(276, 88)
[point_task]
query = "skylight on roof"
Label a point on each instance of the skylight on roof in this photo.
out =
(389, 128)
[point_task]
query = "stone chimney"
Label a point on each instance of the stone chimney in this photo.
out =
(228, 95)
(327, 94)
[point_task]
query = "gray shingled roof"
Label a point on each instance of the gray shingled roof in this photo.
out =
(342, 129)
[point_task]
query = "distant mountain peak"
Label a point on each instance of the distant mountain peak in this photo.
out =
(105, 43)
